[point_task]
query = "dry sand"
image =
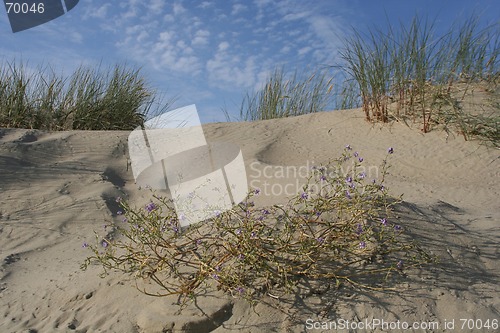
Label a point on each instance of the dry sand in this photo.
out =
(57, 188)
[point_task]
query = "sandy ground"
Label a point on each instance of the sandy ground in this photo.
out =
(57, 188)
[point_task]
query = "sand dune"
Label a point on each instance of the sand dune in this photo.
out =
(58, 187)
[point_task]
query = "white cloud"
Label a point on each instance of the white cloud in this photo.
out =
(133, 29)
(221, 17)
(184, 48)
(262, 3)
(163, 43)
(165, 36)
(238, 8)
(200, 38)
(132, 9)
(304, 50)
(100, 12)
(76, 37)
(168, 18)
(229, 71)
(195, 22)
(286, 35)
(171, 61)
(156, 5)
(296, 16)
(178, 8)
(328, 31)
(205, 4)
(223, 46)
(285, 49)
(143, 36)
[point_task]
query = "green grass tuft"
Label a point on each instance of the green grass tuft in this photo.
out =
(117, 98)
(287, 94)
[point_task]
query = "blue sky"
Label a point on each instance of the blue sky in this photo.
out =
(212, 52)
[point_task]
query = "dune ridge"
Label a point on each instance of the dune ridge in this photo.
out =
(58, 187)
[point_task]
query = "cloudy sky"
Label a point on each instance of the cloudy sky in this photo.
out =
(211, 52)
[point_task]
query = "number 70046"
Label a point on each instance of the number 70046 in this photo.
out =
(25, 8)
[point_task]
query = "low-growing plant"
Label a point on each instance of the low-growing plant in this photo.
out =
(341, 233)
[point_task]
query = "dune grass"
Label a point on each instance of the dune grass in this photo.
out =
(405, 74)
(287, 94)
(412, 74)
(117, 98)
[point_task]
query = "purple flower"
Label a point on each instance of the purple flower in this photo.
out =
(383, 221)
(362, 175)
(217, 212)
(257, 191)
(362, 245)
(360, 159)
(175, 229)
(359, 229)
(348, 147)
(241, 256)
(304, 195)
(356, 154)
(85, 245)
(104, 244)
(349, 179)
(119, 212)
(322, 178)
(400, 265)
(137, 227)
(198, 241)
(320, 239)
(240, 290)
(215, 276)
(265, 212)
(150, 207)
(253, 234)
(318, 213)
(390, 150)
(238, 231)
(218, 268)
(125, 220)
(118, 199)
(348, 195)
(397, 227)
